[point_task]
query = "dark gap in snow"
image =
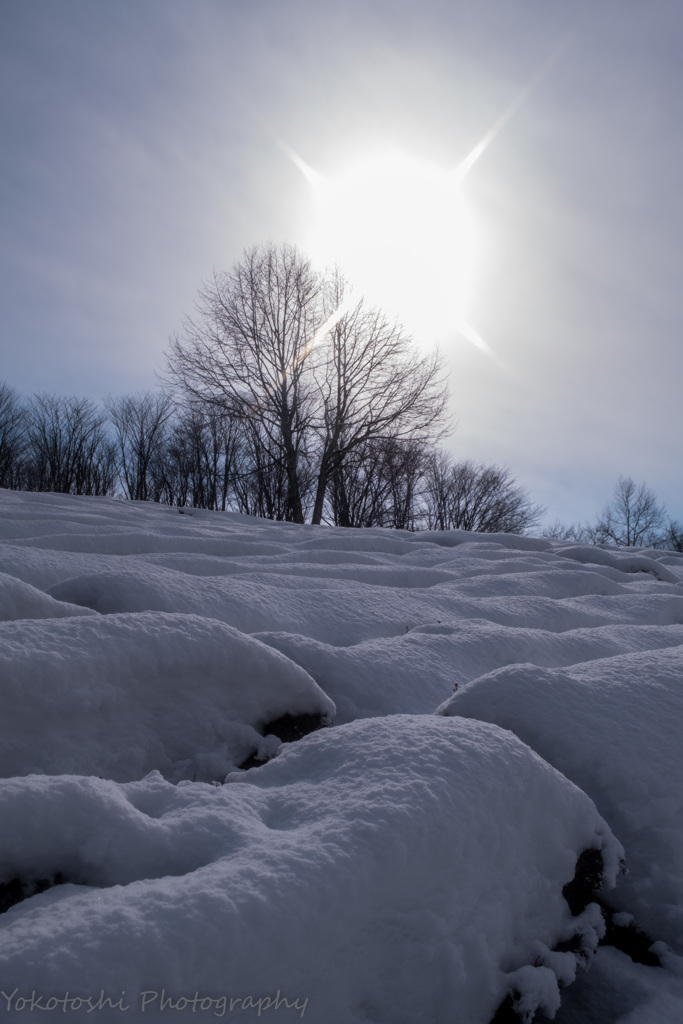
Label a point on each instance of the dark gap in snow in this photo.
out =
(583, 889)
(18, 889)
(288, 728)
(506, 1012)
(648, 572)
(586, 883)
(579, 893)
(628, 939)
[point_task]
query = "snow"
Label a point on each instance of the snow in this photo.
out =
(19, 600)
(363, 847)
(612, 726)
(618, 991)
(126, 694)
(399, 865)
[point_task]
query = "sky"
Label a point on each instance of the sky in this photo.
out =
(147, 142)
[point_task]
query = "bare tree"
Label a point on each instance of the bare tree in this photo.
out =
(359, 492)
(313, 380)
(261, 484)
(438, 491)
(247, 351)
(405, 462)
(200, 458)
(12, 435)
(98, 467)
(472, 496)
(374, 388)
(67, 447)
(631, 519)
(563, 531)
(378, 484)
(140, 427)
(672, 537)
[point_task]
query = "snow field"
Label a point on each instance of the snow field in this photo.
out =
(400, 866)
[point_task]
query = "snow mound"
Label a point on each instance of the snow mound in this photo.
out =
(612, 726)
(393, 870)
(340, 611)
(624, 561)
(415, 672)
(122, 695)
(19, 600)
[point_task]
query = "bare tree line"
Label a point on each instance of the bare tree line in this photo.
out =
(147, 447)
(633, 518)
(55, 444)
(285, 397)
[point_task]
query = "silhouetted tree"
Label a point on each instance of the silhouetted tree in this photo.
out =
(570, 532)
(199, 460)
(378, 484)
(139, 423)
(631, 519)
(246, 350)
(472, 496)
(375, 392)
(67, 447)
(13, 438)
(672, 537)
(314, 381)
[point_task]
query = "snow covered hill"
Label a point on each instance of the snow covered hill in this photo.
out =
(394, 865)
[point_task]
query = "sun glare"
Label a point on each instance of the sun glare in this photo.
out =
(401, 231)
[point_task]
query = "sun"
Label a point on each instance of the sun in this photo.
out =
(402, 232)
